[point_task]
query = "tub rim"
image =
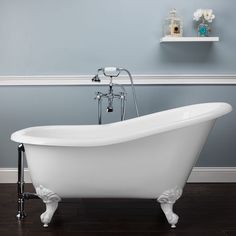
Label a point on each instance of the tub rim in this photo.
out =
(218, 109)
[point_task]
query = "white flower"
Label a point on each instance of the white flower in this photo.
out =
(206, 14)
(198, 14)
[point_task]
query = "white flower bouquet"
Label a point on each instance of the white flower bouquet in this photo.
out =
(203, 18)
(203, 15)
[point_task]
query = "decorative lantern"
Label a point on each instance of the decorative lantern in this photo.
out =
(173, 26)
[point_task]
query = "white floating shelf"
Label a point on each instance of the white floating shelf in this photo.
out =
(189, 39)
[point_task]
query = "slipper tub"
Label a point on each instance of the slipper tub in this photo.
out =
(146, 157)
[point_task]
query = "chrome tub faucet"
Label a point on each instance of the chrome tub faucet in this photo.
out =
(112, 72)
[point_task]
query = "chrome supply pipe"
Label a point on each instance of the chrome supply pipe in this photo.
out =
(99, 98)
(20, 183)
(22, 195)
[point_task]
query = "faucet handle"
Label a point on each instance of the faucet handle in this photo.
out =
(98, 95)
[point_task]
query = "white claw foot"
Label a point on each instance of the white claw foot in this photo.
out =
(167, 200)
(51, 200)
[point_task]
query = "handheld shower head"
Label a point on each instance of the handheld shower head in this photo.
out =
(111, 71)
(107, 72)
(96, 78)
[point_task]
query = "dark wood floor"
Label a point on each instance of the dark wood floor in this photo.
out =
(204, 210)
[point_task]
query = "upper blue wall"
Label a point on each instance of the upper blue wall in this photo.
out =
(78, 36)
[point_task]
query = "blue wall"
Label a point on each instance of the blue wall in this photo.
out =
(77, 37)
(22, 107)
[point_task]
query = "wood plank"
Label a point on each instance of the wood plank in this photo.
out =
(204, 209)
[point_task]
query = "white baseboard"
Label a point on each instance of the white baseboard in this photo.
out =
(198, 175)
(213, 175)
(9, 175)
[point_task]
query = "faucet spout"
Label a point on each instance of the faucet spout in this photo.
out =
(109, 109)
(110, 97)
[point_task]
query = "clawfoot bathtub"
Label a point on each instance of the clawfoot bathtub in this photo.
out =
(147, 157)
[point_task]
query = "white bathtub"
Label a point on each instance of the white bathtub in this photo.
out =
(147, 157)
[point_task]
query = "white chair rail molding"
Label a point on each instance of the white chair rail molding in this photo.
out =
(138, 79)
